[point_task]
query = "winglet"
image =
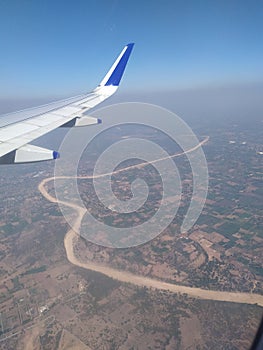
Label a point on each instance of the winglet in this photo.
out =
(114, 75)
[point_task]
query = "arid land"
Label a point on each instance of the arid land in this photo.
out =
(146, 296)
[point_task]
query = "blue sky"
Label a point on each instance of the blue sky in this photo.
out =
(60, 48)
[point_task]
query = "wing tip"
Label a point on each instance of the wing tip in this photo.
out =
(115, 74)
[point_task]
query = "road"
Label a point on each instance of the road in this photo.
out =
(128, 277)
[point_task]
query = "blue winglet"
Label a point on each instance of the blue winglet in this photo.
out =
(116, 75)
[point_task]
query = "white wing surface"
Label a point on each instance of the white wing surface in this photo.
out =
(18, 129)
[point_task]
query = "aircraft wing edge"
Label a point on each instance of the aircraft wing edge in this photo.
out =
(15, 137)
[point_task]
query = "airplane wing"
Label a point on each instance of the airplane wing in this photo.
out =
(18, 129)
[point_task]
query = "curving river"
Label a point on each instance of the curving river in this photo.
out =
(128, 277)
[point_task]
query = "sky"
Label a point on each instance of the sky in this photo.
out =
(61, 48)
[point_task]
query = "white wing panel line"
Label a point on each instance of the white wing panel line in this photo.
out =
(67, 111)
(43, 120)
(22, 139)
(10, 132)
(28, 126)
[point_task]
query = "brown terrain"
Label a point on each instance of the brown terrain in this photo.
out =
(81, 296)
